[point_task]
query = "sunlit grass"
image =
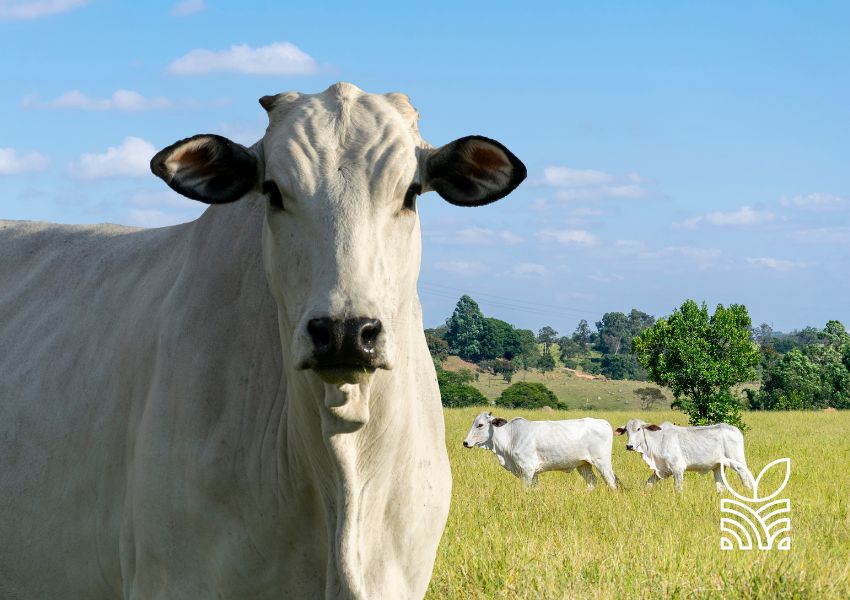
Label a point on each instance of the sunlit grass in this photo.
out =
(559, 541)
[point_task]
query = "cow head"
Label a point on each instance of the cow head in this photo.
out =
(481, 431)
(636, 430)
(340, 172)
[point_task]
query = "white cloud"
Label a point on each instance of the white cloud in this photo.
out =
(22, 10)
(746, 215)
(528, 270)
(567, 237)
(824, 235)
(629, 246)
(475, 236)
(187, 7)
(588, 184)
(130, 159)
(605, 277)
(776, 264)
(13, 163)
(280, 58)
(124, 100)
(817, 201)
(461, 267)
(693, 253)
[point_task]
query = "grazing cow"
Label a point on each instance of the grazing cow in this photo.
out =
(671, 450)
(242, 406)
(527, 448)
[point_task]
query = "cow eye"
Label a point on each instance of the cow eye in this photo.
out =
(271, 190)
(410, 196)
(481, 425)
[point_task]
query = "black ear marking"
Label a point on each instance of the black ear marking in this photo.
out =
(473, 171)
(620, 431)
(499, 421)
(653, 428)
(207, 167)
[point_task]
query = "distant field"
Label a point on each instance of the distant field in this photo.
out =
(559, 541)
(572, 391)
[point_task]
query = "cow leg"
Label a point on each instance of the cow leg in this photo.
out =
(678, 479)
(586, 472)
(653, 479)
(607, 472)
(718, 480)
(529, 479)
(742, 473)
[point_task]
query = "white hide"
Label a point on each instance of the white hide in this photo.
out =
(670, 450)
(159, 435)
(527, 448)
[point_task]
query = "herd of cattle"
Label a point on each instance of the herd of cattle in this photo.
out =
(527, 448)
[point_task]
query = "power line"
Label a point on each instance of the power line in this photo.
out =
(494, 300)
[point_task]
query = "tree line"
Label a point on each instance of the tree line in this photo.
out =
(700, 357)
(502, 349)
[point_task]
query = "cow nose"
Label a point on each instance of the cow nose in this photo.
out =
(629, 447)
(345, 342)
(465, 444)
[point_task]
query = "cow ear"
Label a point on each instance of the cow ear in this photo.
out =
(620, 431)
(653, 427)
(498, 422)
(472, 171)
(209, 168)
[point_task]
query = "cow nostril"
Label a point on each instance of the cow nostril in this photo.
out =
(369, 332)
(321, 332)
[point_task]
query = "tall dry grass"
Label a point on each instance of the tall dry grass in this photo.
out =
(560, 541)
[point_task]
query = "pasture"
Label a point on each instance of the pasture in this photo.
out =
(560, 541)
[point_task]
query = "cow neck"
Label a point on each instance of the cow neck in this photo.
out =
(501, 440)
(337, 437)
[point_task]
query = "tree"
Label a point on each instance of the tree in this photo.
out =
(525, 394)
(500, 366)
(455, 390)
(528, 349)
(700, 357)
(582, 335)
(546, 336)
(465, 329)
(499, 340)
(568, 348)
(616, 330)
(763, 335)
(811, 376)
(613, 330)
(649, 396)
(621, 366)
(546, 363)
(438, 347)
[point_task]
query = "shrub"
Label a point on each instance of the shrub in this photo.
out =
(455, 390)
(525, 394)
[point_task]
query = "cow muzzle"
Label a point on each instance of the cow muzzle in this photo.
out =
(345, 349)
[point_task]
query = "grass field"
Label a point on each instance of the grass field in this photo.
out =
(560, 541)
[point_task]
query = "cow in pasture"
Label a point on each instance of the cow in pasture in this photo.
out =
(671, 450)
(242, 406)
(527, 448)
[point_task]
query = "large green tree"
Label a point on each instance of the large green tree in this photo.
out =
(700, 357)
(465, 329)
(811, 376)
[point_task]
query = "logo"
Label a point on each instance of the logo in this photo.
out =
(757, 522)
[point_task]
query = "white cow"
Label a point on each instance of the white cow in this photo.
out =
(527, 448)
(671, 450)
(242, 406)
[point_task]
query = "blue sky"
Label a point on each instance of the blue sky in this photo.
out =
(675, 150)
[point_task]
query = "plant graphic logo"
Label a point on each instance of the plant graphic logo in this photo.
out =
(757, 522)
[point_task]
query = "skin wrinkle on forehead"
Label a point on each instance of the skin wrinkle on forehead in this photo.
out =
(375, 150)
